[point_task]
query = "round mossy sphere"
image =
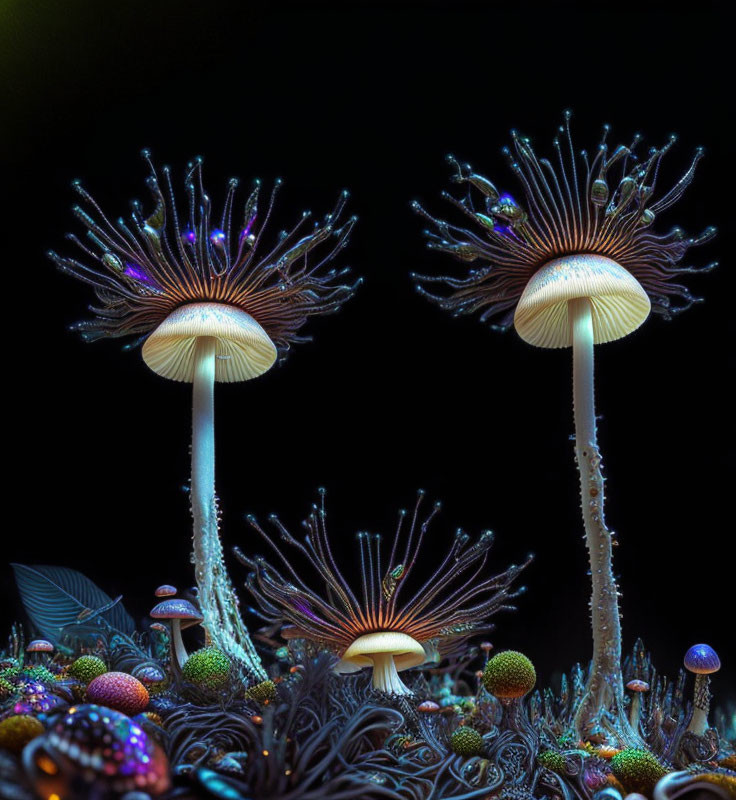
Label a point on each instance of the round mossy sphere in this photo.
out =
(509, 675)
(87, 668)
(638, 770)
(17, 731)
(466, 742)
(208, 668)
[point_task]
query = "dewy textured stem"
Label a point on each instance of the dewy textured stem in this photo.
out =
(218, 603)
(604, 692)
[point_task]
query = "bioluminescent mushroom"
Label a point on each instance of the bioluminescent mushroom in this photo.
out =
(636, 687)
(165, 591)
(181, 614)
(702, 660)
(374, 627)
(579, 266)
(40, 646)
(190, 284)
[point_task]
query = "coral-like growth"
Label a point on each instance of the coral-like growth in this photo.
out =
(119, 691)
(604, 205)
(263, 692)
(87, 668)
(638, 770)
(376, 627)
(509, 675)
(552, 760)
(208, 668)
(18, 730)
(174, 255)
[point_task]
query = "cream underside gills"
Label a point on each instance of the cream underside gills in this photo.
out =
(203, 343)
(243, 349)
(618, 303)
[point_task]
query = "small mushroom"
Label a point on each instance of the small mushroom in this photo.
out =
(165, 591)
(428, 707)
(182, 614)
(637, 687)
(702, 660)
(387, 652)
(40, 646)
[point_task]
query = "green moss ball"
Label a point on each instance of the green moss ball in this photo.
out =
(262, 692)
(208, 668)
(638, 770)
(17, 731)
(552, 760)
(466, 742)
(509, 675)
(87, 668)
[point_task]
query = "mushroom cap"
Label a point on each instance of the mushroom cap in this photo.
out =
(177, 608)
(428, 707)
(165, 591)
(244, 349)
(407, 652)
(637, 685)
(619, 302)
(40, 646)
(702, 659)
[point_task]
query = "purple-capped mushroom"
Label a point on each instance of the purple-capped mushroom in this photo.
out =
(181, 614)
(703, 661)
(40, 646)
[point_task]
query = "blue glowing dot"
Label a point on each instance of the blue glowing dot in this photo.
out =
(506, 199)
(217, 236)
(189, 236)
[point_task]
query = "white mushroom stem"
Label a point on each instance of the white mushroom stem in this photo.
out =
(701, 705)
(604, 690)
(218, 603)
(635, 710)
(385, 676)
(177, 643)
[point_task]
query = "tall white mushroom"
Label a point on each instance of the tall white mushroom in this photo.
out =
(577, 266)
(210, 311)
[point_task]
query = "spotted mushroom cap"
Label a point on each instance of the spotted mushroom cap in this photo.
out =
(244, 350)
(637, 685)
(99, 747)
(702, 659)
(166, 590)
(177, 608)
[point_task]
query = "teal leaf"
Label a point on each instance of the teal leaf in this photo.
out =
(54, 597)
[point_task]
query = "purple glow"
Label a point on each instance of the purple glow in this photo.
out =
(189, 236)
(303, 608)
(506, 199)
(247, 229)
(136, 272)
(504, 230)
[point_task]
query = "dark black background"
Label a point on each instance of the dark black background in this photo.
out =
(393, 394)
